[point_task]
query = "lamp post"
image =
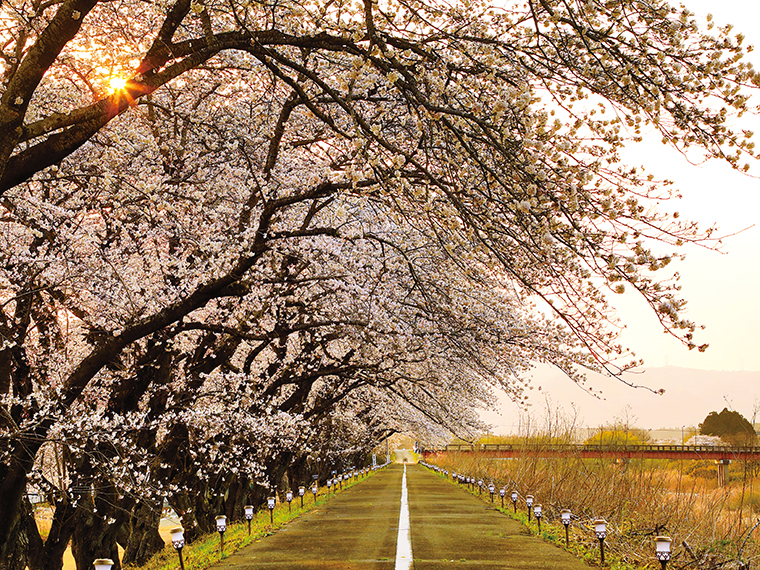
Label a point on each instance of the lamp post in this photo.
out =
(502, 494)
(178, 542)
(221, 526)
(329, 484)
(600, 528)
(289, 499)
(301, 492)
(514, 500)
(314, 490)
(270, 506)
(529, 502)
(566, 515)
(248, 516)
(537, 512)
(480, 486)
(491, 489)
(663, 550)
(103, 564)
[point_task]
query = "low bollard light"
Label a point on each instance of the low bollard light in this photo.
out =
(514, 500)
(663, 550)
(289, 499)
(221, 526)
(600, 528)
(329, 485)
(502, 494)
(103, 564)
(529, 503)
(248, 510)
(491, 489)
(301, 493)
(270, 505)
(537, 512)
(314, 490)
(566, 516)
(178, 542)
(480, 486)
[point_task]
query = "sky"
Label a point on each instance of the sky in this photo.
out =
(721, 290)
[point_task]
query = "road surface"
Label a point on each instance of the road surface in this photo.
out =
(359, 529)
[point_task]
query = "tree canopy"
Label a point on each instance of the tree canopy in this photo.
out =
(729, 425)
(243, 242)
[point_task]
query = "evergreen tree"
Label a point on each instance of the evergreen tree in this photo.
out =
(729, 425)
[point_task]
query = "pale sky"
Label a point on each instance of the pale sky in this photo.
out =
(721, 288)
(722, 291)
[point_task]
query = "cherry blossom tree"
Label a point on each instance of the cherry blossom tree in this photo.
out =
(307, 219)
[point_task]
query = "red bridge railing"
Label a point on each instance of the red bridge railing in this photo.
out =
(583, 451)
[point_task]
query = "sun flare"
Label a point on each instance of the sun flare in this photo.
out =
(117, 84)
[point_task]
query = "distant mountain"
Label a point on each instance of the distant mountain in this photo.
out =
(689, 395)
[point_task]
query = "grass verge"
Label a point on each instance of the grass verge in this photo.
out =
(205, 551)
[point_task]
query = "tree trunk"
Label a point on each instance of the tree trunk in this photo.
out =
(144, 539)
(93, 538)
(50, 556)
(15, 550)
(14, 540)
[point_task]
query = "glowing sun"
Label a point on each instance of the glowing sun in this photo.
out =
(117, 84)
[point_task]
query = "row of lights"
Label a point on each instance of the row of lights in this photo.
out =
(178, 533)
(662, 543)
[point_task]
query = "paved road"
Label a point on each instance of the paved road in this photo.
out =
(453, 529)
(404, 456)
(358, 529)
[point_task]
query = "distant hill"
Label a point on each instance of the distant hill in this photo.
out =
(689, 396)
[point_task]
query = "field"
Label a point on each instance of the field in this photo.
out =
(710, 526)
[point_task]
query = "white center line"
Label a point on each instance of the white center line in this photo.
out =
(404, 544)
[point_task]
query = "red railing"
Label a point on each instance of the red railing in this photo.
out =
(692, 452)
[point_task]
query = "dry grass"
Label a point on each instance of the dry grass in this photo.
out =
(711, 526)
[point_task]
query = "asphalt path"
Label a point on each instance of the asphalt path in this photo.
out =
(356, 529)
(359, 528)
(453, 529)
